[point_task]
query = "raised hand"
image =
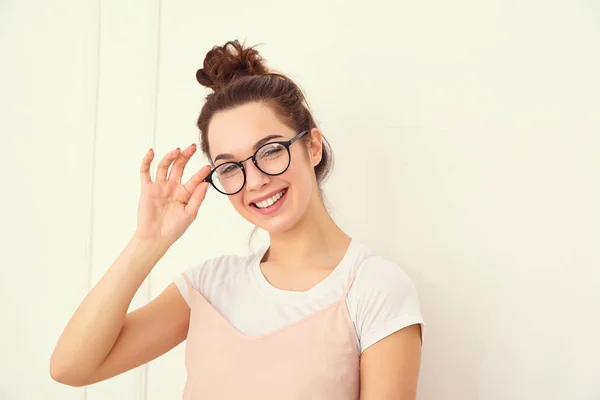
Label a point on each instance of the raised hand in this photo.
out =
(167, 207)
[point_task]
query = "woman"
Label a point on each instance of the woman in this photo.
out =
(314, 315)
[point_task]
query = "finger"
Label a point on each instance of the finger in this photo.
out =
(196, 179)
(165, 163)
(197, 198)
(181, 162)
(145, 167)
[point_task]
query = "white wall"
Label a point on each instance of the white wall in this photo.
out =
(467, 144)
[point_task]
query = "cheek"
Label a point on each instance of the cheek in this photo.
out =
(237, 201)
(301, 176)
(301, 162)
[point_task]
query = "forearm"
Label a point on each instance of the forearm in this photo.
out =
(95, 326)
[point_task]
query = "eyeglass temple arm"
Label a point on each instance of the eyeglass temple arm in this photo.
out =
(298, 136)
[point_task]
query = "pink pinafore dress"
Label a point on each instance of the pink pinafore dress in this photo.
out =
(313, 358)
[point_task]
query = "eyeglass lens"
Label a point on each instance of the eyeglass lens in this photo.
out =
(272, 159)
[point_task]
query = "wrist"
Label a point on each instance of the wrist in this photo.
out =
(150, 247)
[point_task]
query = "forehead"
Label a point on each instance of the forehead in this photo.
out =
(235, 131)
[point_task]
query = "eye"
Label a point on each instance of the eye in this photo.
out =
(227, 169)
(271, 151)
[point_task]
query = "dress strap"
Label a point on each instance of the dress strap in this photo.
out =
(187, 280)
(353, 276)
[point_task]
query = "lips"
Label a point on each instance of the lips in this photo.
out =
(272, 208)
(265, 197)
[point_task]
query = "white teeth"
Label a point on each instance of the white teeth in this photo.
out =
(270, 201)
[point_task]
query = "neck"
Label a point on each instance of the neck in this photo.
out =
(315, 236)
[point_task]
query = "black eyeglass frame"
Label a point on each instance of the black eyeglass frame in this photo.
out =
(240, 164)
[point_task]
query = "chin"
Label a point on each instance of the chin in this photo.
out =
(277, 226)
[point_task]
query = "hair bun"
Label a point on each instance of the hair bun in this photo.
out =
(225, 63)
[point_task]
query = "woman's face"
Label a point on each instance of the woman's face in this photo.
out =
(273, 203)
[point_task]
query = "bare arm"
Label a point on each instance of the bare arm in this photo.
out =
(102, 339)
(389, 369)
(147, 333)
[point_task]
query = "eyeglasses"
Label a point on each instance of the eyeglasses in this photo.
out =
(272, 158)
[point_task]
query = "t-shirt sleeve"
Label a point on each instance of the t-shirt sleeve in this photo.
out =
(180, 282)
(199, 276)
(383, 300)
(206, 276)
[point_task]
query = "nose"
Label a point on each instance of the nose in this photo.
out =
(255, 179)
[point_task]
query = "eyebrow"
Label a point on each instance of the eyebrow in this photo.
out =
(227, 156)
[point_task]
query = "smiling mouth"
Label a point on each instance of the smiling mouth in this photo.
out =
(266, 204)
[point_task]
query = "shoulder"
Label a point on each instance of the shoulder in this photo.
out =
(381, 275)
(383, 299)
(211, 272)
(219, 267)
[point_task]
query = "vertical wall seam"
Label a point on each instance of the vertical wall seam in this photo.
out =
(152, 132)
(92, 187)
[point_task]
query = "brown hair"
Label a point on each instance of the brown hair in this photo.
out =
(237, 75)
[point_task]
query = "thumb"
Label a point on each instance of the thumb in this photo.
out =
(197, 198)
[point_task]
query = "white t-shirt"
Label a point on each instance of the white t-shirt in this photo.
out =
(381, 301)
